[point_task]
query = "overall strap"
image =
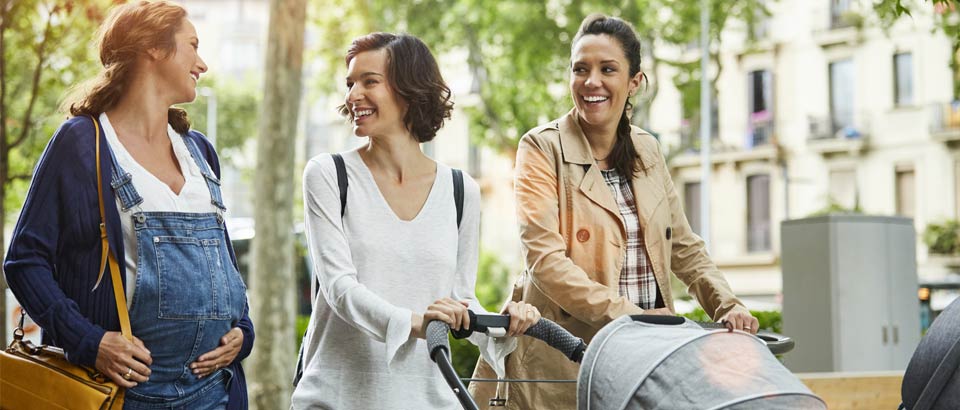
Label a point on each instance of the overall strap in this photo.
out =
(122, 183)
(106, 254)
(341, 181)
(213, 184)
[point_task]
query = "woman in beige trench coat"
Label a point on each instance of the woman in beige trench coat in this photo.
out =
(600, 221)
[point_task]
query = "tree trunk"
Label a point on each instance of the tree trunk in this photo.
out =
(272, 278)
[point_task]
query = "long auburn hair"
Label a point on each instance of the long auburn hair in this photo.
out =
(623, 157)
(129, 31)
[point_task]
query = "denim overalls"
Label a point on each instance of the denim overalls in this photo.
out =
(188, 295)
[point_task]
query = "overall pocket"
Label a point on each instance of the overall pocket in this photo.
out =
(192, 280)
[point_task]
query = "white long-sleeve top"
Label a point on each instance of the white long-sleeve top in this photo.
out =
(374, 271)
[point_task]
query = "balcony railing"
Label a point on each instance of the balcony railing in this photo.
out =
(690, 134)
(760, 129)
(945, 117)
(824, 128)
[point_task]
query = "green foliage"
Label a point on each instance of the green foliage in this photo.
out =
(238, 105)
(942, 238)
(492, 283)
(517, 51)
(303, 321)
(46, 50)
(833, 207)
(770, 320)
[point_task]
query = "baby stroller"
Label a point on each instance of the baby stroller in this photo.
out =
(683, 365)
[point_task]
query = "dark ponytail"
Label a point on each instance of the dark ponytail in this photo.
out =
(623, 157)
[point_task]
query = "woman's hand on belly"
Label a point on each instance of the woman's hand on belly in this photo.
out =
(125, 363)
(220, 357)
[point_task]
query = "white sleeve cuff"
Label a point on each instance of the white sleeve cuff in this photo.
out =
(398, 335)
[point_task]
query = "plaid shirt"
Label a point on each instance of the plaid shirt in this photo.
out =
(637, 281)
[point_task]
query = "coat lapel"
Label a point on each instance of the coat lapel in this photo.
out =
(648, 191)
(576, 150)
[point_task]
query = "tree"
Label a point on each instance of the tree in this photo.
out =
(44, 49)
(272, 275)
(518, 62)
(237, 108)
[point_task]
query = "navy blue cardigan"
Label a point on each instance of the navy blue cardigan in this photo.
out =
(54, 253)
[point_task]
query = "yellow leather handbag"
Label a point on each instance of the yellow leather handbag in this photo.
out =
(40, 377)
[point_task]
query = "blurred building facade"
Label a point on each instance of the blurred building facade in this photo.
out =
(824, 109)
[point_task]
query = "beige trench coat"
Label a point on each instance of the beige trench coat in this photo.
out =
(573, 242)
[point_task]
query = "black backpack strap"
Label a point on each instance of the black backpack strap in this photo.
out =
(341, 181)
(458, 193)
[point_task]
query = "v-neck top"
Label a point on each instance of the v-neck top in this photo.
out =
(376, 192)
(375, 270)
(194, 197)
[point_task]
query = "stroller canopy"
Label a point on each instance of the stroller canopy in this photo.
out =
(631, 364)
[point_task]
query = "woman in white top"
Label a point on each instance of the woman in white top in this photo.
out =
(393, 258)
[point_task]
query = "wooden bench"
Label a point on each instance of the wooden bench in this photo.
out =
(856, 391)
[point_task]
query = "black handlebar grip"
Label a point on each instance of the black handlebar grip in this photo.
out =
(558, 338)
(437, 338)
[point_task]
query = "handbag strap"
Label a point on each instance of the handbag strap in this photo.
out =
(106, 255)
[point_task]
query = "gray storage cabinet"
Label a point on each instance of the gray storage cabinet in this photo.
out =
(850, 292)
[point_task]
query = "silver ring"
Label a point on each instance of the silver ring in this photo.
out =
(128, 374)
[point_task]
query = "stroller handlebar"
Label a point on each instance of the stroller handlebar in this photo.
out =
(777, 343)
(546, 330)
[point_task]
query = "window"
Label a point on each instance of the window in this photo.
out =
(691, 205)
(843, 188)
(903, 79)
(841, 96)
(760, 107)
(758, 213)
(838, 9)
(905, 191)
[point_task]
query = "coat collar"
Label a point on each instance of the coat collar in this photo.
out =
(576, 149)
(647, 191)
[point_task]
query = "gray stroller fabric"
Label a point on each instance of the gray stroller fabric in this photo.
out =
(636, 365)
(931, 381)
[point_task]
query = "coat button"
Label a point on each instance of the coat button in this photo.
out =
(583, 235)
(669, 233)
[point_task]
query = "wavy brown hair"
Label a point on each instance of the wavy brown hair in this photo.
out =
(623, 157)
(129, 31)
(413, 74)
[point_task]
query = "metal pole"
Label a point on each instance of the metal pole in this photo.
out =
(211, 97)
(705, 126)
(212, 117)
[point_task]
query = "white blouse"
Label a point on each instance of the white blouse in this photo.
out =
(157, 196)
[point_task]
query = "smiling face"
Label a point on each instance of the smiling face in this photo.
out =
(371, 101)
(600, 80)
(181, 69)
